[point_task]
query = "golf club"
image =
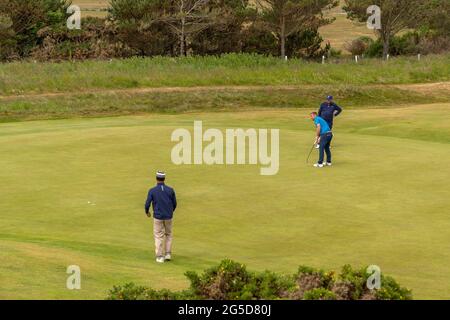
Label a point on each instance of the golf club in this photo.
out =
(310, 152)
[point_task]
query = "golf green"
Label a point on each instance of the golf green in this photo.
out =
(72, 193)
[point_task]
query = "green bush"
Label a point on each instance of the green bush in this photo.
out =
(391, 290)
(223, 282)
(131, 291)
(232, 281)
(308, 279)
(411, 43)
(356, 280)
(319, 294)
(359, 46)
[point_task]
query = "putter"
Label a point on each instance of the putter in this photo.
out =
(310, 152)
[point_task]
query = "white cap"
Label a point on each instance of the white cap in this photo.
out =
(160, 175)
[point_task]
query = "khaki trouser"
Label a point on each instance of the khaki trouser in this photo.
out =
(162, 230)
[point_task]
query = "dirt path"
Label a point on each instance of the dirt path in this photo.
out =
(425, 87)
(421, 87)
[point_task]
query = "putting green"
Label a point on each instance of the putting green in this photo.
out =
(72, 193)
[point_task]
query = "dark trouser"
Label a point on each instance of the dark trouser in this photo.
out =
(325, 142)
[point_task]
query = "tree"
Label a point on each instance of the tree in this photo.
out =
(131, 18)
(284, 18)
(7, 43)
(438, 19)
(186, 18)
(396, 16)
(227, 34)
(26, 18)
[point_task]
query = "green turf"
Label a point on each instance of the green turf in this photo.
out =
(387, 201)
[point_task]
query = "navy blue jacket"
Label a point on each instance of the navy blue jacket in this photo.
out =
(164, 202)
(328, 112)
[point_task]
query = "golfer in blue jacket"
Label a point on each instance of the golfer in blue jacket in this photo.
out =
(323, 139)
(164, 202)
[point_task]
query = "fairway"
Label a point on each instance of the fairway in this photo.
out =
(73, 190)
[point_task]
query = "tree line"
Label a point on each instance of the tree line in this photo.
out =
(285, 28)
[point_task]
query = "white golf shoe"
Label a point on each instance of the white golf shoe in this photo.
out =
(168, 257)
(160, 260)
(329, 164)
(317, 165)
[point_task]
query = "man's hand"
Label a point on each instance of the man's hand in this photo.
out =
(148, 214)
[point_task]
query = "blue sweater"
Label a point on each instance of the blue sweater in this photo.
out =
(328, 112)
(164, 202)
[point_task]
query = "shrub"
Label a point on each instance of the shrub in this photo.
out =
(131, 291)
(391, 290)
(352, 284)
(358, 46)
(319, 294)
(343, 290)
(308, 279)
(412, 43)
(434, 44)
(334, 53)
(223, 282)
(356, 281)
(232, 281)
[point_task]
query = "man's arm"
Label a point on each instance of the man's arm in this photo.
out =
(320, 110)
(337, 110)
(174, 200)
(148, 202)
(319, 129)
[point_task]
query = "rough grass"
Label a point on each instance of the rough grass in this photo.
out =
(28, 77)
(388, 204)
(113, 103)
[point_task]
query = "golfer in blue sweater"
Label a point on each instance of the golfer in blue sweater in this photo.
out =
(329, 110)
(164, 202)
